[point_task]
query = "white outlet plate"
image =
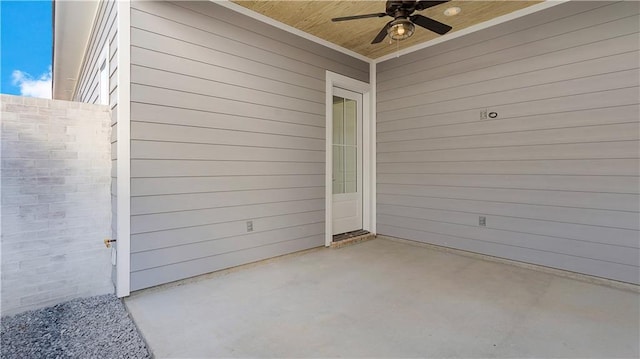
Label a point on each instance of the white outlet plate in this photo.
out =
(484, 114)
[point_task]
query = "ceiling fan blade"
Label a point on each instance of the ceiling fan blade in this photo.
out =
(421, 5)
(430, 24)
(381, 35)
(354, 17)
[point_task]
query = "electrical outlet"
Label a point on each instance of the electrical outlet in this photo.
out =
(249, 226)
(484, 114)
(482, 221)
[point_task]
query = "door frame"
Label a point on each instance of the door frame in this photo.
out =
(368, 152)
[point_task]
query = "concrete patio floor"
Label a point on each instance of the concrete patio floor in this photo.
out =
(385, 298)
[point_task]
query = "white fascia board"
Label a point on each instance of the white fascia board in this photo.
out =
(73, 21)
(481, 26)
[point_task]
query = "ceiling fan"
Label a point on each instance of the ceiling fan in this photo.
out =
(402, 25)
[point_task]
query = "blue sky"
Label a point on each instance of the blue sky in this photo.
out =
(25, 47)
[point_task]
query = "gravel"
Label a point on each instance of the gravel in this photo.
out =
(94, 327)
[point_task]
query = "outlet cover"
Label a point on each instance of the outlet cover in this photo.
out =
(482, 221)
(484, 114)
(249, 226)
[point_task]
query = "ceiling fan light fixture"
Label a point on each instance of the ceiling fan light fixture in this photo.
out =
(400, 29)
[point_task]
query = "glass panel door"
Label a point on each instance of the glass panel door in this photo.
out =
(345, 145)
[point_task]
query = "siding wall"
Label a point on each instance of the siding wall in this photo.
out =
(555, 174)
(227, 125)
(105, 27)
(104, 30)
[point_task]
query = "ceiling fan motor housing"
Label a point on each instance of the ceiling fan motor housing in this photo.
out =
(398, 9)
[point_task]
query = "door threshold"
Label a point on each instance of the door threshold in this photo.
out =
(345, 239)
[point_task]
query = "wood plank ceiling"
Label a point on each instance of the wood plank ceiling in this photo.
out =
(314, 17)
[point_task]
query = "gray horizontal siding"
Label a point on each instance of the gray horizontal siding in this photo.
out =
(186, 202)
(196, 266)
(206, 119)
(544, 107)
(586, 200)
(569, 28)
(188, 134)
(510, 251)
(141, 93)
(187, 168)
(556, 173)
(571, 89)
(177, 254)
(176, 185)
(181, 219)
(197, 151)
(104, 31)
(114, 173)
(227, 125)
(150, 241)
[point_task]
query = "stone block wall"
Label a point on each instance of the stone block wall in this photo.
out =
(55, 202)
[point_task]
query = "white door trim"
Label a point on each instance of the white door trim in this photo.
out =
(368, 158)
(370, 201)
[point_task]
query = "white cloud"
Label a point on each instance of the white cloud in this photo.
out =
(33, 87)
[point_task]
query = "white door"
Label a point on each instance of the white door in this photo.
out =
(347, 161)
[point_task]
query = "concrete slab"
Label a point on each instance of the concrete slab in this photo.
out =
(383, 298)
